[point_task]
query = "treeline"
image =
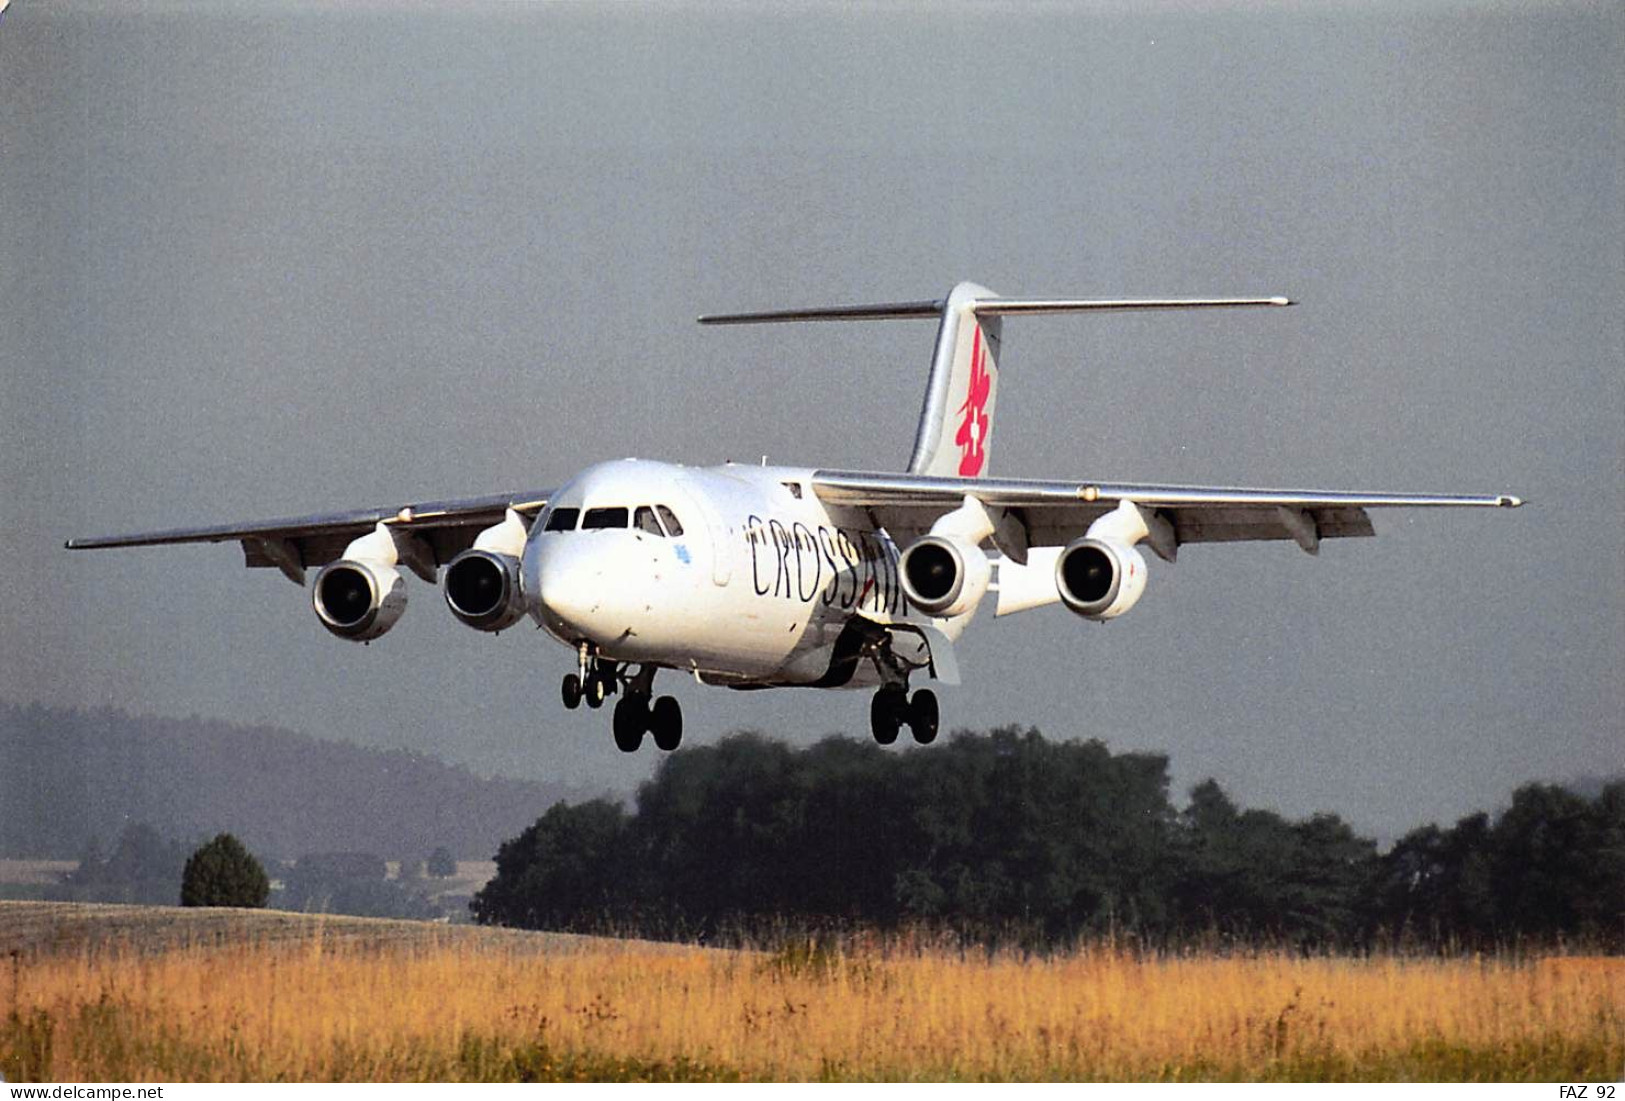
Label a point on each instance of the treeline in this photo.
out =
(71, 779)
(1009, 835)
(145, 867)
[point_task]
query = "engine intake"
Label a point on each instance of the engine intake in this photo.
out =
(357, 599)
(944, 576)
(482, 590)
(1099, 578)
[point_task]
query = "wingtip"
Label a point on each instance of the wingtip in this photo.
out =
(1282, 300)
(1511, 502)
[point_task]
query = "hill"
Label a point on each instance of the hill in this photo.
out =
(35, 929)
(72, 778)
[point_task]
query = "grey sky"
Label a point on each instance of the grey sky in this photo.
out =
(258, 263)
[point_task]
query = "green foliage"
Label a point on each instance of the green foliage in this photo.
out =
(482, 1059)
(570, 869)
(1253, 874)
(1008, 835)
(144, 867)
(351, 883)
(26, 1045)
(1551, 867)
(223, 873)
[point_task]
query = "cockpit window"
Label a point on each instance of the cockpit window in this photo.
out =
(562, 519)
(600, 518)
(673, 528)
(644, 520)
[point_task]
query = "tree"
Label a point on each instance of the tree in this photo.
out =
(442, 863)
(142, 853)
(91, 863)
(1550, 866)
(223, 873)
(142, 868)
(570, 869)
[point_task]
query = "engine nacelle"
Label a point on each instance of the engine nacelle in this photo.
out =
(1099, 578)
(358, 599)
(482, 589)
(943, 576)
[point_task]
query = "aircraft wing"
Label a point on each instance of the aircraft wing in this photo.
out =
(443, 529)
(1054, 513)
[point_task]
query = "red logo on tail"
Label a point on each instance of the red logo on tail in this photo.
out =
(972, 435)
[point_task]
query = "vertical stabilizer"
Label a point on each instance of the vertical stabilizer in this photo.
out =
(956, 421)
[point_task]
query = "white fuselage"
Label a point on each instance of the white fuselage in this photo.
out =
(759, 587)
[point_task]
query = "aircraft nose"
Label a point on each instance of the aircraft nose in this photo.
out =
(574, 592)
(565, 595)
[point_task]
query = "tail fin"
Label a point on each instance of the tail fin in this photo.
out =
(956, 420)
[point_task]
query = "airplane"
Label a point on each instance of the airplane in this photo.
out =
(754, 577)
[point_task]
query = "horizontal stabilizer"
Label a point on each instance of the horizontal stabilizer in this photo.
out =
(984, 307)
(1005, 306)
(878, 312)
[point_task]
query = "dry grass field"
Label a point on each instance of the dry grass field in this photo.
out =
(131, 994)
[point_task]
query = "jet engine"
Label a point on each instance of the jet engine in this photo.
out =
(1099, 578)
(359, 599)
(944, 576)
(482, 589)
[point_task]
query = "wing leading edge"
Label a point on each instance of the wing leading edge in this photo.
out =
(443, 529)
(1054, 513)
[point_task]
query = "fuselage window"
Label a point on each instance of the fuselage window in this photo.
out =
(644, 520)
(673, 528)
(562, 519)
(600, 518)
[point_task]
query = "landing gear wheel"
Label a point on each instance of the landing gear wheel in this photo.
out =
(666, 723)
(571, 691)
(923, 715)
(595, 690)
(886, 714)
(631, 719)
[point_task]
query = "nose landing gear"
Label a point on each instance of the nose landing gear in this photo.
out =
(594, 689)
(594, 680)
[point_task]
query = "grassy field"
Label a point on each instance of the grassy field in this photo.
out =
(133, 994)
(38, 880)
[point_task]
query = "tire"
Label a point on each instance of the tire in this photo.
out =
(666, 723)
(596, 690)
(886, 715)
(630, 720)
(571, 691)
(923, 716)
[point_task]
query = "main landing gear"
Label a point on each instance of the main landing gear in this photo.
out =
(892, 708)
(636, 714)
